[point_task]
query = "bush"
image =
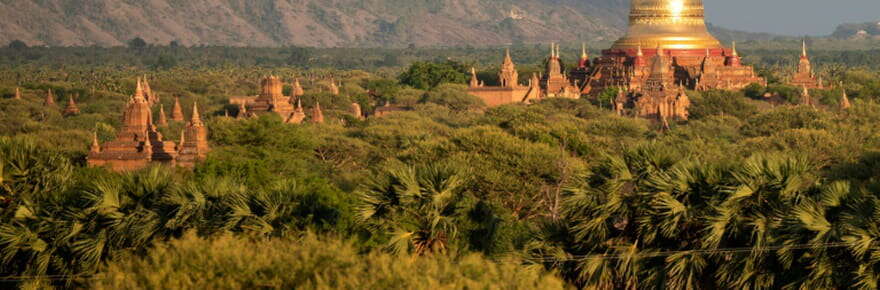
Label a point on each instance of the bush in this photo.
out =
(308, 263)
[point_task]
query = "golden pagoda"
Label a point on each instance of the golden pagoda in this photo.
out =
(672, 24)
(676, 30)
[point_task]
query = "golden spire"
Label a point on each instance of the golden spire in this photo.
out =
(163, 120)
(96, 147)
(507, 58)
(844, 100)
(182, 139)
(195, 119)
(177, 111)
(584, 54)
(139, 91)
(557, 51)
(317, 114)
(17, 93)
(734, 53)
(474, 81)
(298, 89)
(804, 49)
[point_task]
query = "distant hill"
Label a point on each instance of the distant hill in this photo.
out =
(318, 23)
(868, 30)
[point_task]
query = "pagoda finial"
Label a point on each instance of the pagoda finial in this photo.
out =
(734, 53)
(844, 101)
(196, 119)
(17, 93)
(163, 120)
(557, 51)
(96, 147)
(177, 111)
(182, 139)
(317, 114)
(507, 58)
(474, 81)
(139, 91)
(584, 54)
(804, 48)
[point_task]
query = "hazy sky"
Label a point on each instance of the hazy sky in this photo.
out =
(793, 17)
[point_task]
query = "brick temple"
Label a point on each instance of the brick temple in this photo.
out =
(139, 144)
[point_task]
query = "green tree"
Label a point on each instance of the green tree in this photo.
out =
(427, 75)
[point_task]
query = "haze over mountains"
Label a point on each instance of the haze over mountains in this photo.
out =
(320, 23)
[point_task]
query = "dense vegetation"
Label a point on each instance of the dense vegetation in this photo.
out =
(564, 193)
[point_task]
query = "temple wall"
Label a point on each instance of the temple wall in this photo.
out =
(497, 96)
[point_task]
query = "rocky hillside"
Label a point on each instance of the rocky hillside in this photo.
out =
(324, 23)
(869, 30)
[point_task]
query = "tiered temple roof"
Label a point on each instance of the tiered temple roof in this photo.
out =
(804, 76)
(72, 109)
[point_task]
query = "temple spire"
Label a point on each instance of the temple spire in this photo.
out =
(177, 111)
(17, 93)
(163, 120)
(317, 114)
(584, 54)
(196, 119)
(72, 108)
(298, 90)
(804, 49)
(507, 58)
(50, 98)
(139, 91)
(96, 147)
(844, 101)
(474, 81)
(734, 53)
(182, 139)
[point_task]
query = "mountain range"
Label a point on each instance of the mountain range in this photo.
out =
(316, 23)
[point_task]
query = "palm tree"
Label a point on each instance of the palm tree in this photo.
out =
(416, 207)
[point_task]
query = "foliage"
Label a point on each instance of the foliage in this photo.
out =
(427, 75)
(307, 262)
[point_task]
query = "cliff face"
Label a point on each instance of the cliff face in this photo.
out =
(322, 23)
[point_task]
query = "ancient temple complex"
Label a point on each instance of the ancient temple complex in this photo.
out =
(667, 50)
(675, 30)
(272, 100)
(510, 90)
(139, 144)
